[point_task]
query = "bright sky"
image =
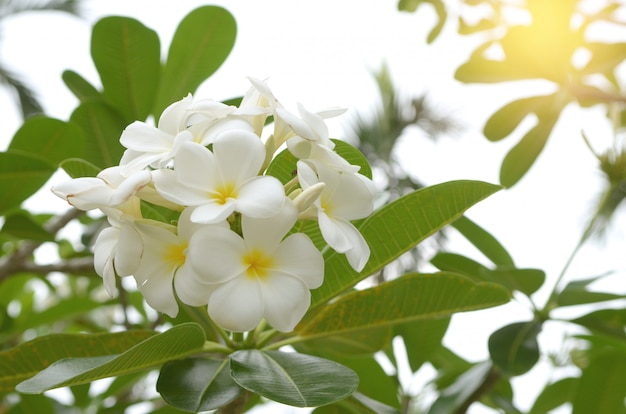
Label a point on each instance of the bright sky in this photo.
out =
(321, 54)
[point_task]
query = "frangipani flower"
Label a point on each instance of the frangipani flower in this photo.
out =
(223, 181)
(164, 265)
(108, 189)
(345, 196)
(260, 275)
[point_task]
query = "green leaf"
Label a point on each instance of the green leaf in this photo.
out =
(400, 226)
(127, 56)
(292, 378)
(26, 359)
(351, 344)
(506, 119)
(178, 342)
(483, 24)
(554, 395)
(22, 226)
(422, 338)
(49, 139)
(21, 175)
(411, 297)
(576, 293)
(353, 156)
(374, 382)
(483, 241)
(514, 348)
(466, 384)
(357, 403)
(80, 87)
(602, 385)
(197, 384)
(605, 57)
(606, 321)
(203, 40)
(103, 127)
(442, 16)
(76, 167)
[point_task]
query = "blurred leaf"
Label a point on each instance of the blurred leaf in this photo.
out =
(197, 384)
(127, 56)
(421, 339)
(28, 358)
(605, 57)
(76, 167)
(202, 41)
(103, 127)
(21, 175)
(178, 342)
(291, 378)
(483, 25)
(22, 226)
(449, 366)
(352, 344)
(80, 87)
(514, 348)
(506, 119)
(374, 382)
(454, 396)
(49, 139)
(410, 297)
(483, 241)
(357, 403)
(576, 293)
(606, 321)
(602, 385)
(400, 226)
(442, 16)
(554, 395)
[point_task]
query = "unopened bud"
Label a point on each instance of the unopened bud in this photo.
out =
(307, 197)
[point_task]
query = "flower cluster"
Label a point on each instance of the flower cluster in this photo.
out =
(233, 246)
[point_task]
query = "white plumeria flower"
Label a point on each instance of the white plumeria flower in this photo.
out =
(223, 181)
(117, 250)
(108, 189)
(312, 140)
(164, 265)
(260, 275)
(345, 196)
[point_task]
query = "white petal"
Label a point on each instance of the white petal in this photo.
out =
(130, 186)
(237, 305)
(307, 176)
(142, 137)
(84, 193)
(261, 197)
(172, 118)
(102, 257)
(266, 233)
(129, 249)
(359, 254)
(340, 234)
(351, 197)
(216, 254)
(240, 155)
(195, 166)
(316, 123)
(189, 289)
(213, 212)
(298, 256)
(157, 289)
(167, 184)
(286, 300)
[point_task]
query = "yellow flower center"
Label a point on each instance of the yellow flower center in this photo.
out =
(175, 255)
(257, 264)
(225, 192)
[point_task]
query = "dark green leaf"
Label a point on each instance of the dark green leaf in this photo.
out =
(554, 395)
(25, 360)
(202, 41)
(197, 384)
(80, 87)
(514, 348)
(49, 139)
(178, 342)
(421, 339)
(606, 321)
(411, 297)
(602, 385)
(483, 241)
(103, 126)
(374, 382)
(357, 403)
(291, 378)
(456, 394)
(127, 56)
(22, 226)
(576, 293)
(21, 175)
(400, 226)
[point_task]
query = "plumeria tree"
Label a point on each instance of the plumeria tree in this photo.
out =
(218, 249)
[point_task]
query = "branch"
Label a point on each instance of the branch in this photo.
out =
(80, 265)
(19, 260)
(491, 379)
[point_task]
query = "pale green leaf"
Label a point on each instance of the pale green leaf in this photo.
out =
(21, 175)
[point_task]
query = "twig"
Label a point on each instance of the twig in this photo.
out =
(491, 379)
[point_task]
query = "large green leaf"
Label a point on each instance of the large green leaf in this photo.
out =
(197, 384)
(76, 167)
(103, 126)
(50, 139)
(202, 41)
(80, 87)
(291, 378)
(351, 344)
(127, 56)
(25, 360)
(483, 241)
(602, 385)
(357, 403)
(421, 339)
(178, 342)
(398, 227)
(23, 226)
(21, 175)
(411, 297)
(554, 395)
(514, 348)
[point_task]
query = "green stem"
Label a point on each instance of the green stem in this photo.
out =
(211, 347)
(279, 344)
